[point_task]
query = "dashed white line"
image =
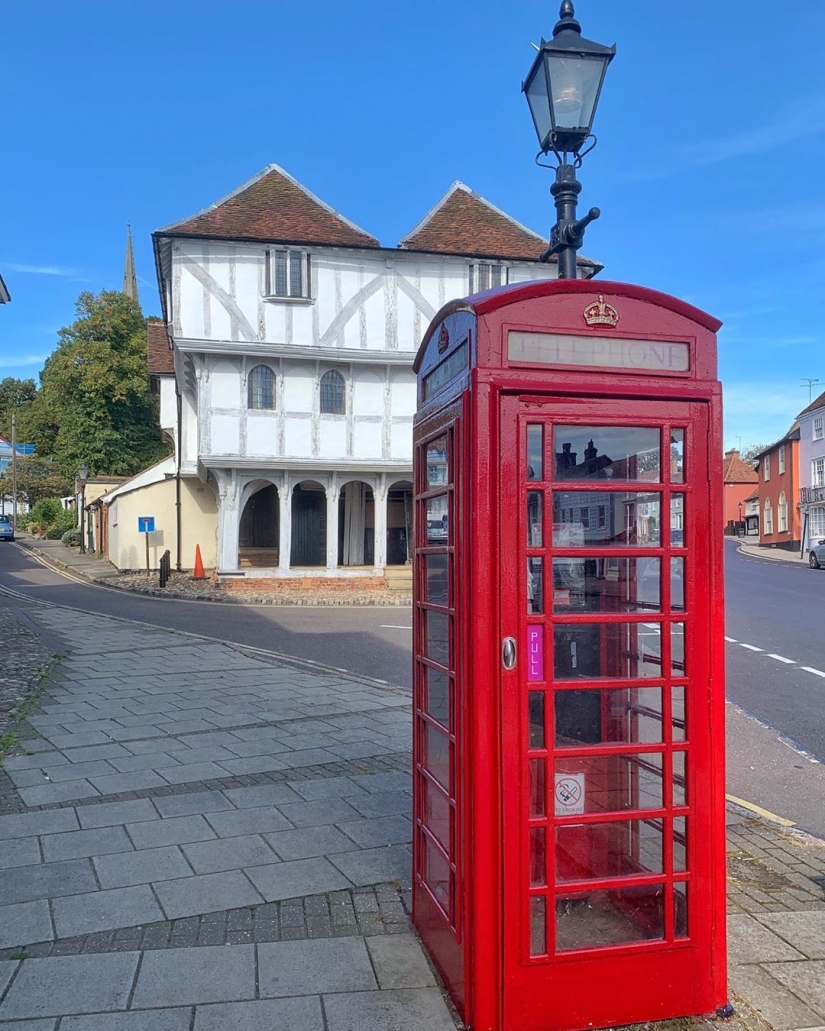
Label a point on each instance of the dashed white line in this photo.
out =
(731, 640)
(781, 658)
(810, 669)
(751, 647)
(390, 626)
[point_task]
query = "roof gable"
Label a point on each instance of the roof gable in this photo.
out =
(818, 402)
(737, 471)
(464, 222)
(273, 206)
(159, 355)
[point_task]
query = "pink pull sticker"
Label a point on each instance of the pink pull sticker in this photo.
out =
(535, 653)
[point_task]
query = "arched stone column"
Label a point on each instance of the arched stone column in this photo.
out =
(229, 518)
(380, 545)
(333, 492)
(285, 500)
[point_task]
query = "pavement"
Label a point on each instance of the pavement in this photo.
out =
(774, 554)
(199, 838)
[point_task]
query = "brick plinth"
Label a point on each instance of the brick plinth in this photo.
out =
(304, 585)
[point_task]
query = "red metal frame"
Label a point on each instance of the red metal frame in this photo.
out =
(480, 941)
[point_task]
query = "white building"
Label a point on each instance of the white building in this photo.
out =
(293, 334)
(812, 471)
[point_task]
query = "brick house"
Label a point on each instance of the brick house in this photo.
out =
(739, 480)
(778, 472)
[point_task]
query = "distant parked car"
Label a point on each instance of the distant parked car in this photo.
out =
(6, 529)
(817, 555)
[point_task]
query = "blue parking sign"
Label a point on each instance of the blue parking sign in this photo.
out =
(146, 524)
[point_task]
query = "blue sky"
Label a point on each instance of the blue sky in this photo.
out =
(708, 170)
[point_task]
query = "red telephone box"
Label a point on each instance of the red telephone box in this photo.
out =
(569, 800)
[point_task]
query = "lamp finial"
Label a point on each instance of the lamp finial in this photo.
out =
(567, 19)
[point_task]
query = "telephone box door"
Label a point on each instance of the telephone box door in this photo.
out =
(606, 714)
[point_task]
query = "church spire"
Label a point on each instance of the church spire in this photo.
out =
(129, 276)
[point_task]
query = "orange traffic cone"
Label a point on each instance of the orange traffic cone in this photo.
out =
(199, 573)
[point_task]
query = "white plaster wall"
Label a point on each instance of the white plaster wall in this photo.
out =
(261, 434)
(298, 437)
(333, 436)
(299, 386)
(368, 393)
(403, 391)
(225, 435)
(225, 384)
(367, 440)
(168, 404)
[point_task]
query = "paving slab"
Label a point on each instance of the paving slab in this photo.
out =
(247, 821)
(231, 854)
(303, 1014)
(383, 803)
(804, 931)
(178, 1019)
(143, 866)
(47, 1024)
(378, 782)
(207, 893)
(750, 942)
(24, 923)
(79, 844)
(191, 804)
(7, 969)
(78, 771)
(293, 879)
(182, 977)
(65, 985)
(177, 830)
(109, 814)
(376, 865)
(326, 787)
(781, 1009)
(399, 961)
(414, 1009)
(48, 880)
(118, 783)
(189, 774)
(806, 981)
(313, 966)
(309, 842)
(19, 853)
(105, 911)
(33, 762)
(263, 795)
(314, 814)
(386, 830)
(47, 794)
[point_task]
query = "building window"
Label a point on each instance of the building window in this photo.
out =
(768, 518)
(332, 393)
(585, 518)
(261, 387)
(602, 516)
(781, 459)
(286, 274)
(818, 427)
(817, 523)
(782, 514)
(818, 473)
(485, 277)
(766, 467)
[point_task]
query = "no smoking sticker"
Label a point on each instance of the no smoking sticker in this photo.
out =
(569, 794)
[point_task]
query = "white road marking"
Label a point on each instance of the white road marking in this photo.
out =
(390, 626)
(731, 640)
(810, 669)
(751, 647)
(781, 658)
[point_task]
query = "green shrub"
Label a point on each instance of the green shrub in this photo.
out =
(66, 520)
(47, 511)
(71, 538)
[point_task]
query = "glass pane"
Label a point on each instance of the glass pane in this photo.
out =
(599, 519)
(538, 806)
(677, 649)
(535, 449)
(588, 651)
(680, 844)
(597, 850)
(677, 520)
(436, 813)
(679, 715)
(680, 778)
(437, 464)
(677, 456)
(538, 857)
(536, 715)
(534, 519)
(538, 925)
(438, 521)
(535, 586)
(611, 783)
(437, 755)
(606, 585)
(610, 917)
(280, 273)
(680, 915)
(624, 715)
(677, 584)
(296, 278)
(437, 702)
(574, 86)
(606, 453)
(438, 647)
(437, 873)
(435, 578)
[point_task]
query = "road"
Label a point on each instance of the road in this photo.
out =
(367, 641)
(775, 668)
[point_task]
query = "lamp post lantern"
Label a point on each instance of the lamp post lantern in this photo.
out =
(82, 476)
(563, 88)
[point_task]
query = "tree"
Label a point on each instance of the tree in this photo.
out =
(36, 479)
(15, 395)
(94, 404)
(751, 451)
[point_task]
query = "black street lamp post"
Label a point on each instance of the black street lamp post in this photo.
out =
(563, 88)
(82, 476)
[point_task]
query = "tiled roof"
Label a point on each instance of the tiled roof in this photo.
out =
(158, 352)
(273, 206)
(812, 407)
(5, 296)
(463, 222)
(792, 434)
(737, 471)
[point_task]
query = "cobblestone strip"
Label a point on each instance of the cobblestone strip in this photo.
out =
(22, 661)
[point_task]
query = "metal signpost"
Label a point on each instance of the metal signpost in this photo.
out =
(146, 525)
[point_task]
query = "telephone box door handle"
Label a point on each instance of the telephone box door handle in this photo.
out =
(508, 653)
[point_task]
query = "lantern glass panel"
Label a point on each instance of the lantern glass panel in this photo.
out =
(574, 88)
(539, 101)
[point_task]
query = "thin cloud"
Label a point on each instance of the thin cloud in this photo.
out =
(29, 359)
(42, 270)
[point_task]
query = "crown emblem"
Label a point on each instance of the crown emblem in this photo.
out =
(600, 313)
(443, 339)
